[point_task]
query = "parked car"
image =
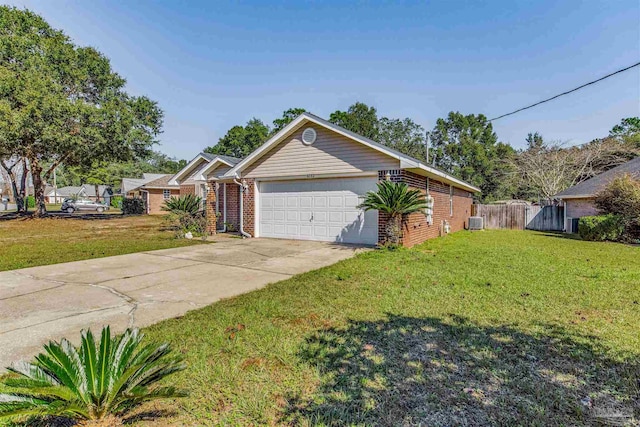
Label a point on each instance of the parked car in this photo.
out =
(70, 206)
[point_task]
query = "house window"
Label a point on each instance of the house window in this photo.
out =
(451, 200)
(166, 194)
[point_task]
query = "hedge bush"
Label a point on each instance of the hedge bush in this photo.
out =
(116, 202)
(133, 206)
(31, 202)
(621, 197)
(601, 227)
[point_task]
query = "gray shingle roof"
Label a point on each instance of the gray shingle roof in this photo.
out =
(210, 157)
(162, 182)
(591, 186)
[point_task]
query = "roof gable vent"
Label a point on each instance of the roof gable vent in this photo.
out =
(309, 136)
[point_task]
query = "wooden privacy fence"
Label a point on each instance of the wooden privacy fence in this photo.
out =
(520, 217)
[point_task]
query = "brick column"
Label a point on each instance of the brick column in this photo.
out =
(210, 208)
(248, 207)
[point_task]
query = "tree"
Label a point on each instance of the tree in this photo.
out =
(405, 136)
(627, 130)
(359, 118)
(95, 382)
(63, 104)
(468, 148)
(16, 171)
(545, 169)
(621, 197)
(287, 117)
(240, 141)
(397, 201)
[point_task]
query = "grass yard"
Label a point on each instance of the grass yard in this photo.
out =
(27, 242)
(487, 328)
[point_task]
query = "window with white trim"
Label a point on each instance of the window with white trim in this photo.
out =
(451, 200)
(166, 194)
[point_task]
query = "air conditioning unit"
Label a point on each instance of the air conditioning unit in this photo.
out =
(476, 223)
(571, 225)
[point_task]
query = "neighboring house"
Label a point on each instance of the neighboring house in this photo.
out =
(193, 178)
(130, 186)
(154, 189)
(84, 191)
(579, 200)
(158, 191)
(307, 181)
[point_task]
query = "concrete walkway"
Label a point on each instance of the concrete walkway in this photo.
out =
(50, 302)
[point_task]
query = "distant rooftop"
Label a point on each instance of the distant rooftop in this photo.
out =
(591, 186)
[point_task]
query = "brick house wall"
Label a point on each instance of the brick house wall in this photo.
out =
(415, 227)
(248, 207)
(187, 189)
(233, 206)
(221, 197)
(576, 208)
(156, 200)
(210, 208)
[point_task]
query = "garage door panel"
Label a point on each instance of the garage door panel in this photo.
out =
(305, 216)
(321, 209)
(319, 201)
(319, 217)
(351, 201)
(306, 231)
(336, 217)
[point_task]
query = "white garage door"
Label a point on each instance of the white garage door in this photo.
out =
(318, 209)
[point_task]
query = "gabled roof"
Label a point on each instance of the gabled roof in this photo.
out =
(406, 162)
(209, 159)
(588, 188)
(65, 191)
(130, 184)
(162, 183)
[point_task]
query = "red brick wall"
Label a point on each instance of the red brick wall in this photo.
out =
(210, 208)
(156, 200)
(415, 227)
(187, 189)
(233, 206)
(248, 207)
(221, 198)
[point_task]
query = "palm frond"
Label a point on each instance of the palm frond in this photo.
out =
(394, 198)
(90, 381)
(189, 203)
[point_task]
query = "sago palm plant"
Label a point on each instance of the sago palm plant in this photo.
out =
(396, 200)
(189, 203)
(94, 383)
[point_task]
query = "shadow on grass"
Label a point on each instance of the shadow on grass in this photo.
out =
(63, 215)
(443, 372)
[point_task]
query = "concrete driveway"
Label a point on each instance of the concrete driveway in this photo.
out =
(50, 302)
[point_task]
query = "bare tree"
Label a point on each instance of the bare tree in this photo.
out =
(549, 168)
(15, 170)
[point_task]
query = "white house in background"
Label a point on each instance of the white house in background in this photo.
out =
(84, 191)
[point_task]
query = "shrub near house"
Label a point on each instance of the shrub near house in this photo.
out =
(620, 202)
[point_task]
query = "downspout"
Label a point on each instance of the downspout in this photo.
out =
(224, 212)
(242, 190)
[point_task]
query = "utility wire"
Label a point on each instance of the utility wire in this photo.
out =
(567, 92)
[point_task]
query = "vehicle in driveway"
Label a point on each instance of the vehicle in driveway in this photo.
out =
(70, 206)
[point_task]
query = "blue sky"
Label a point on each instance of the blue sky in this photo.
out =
(212, 65)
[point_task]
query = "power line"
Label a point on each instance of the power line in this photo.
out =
(567, 92)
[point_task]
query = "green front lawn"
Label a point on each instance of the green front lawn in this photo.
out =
(486, 328)
(28, 242)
